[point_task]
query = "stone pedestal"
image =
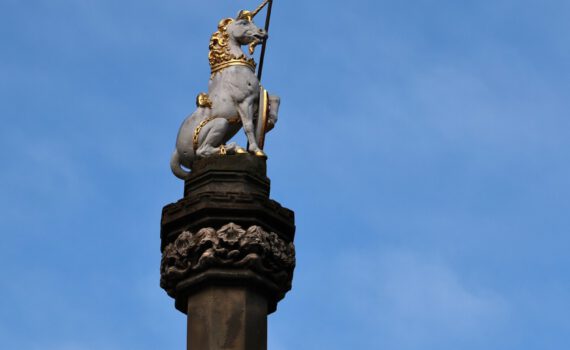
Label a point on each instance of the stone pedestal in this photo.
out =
(227, 253)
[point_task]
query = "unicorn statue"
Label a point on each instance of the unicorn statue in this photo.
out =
(235, 98)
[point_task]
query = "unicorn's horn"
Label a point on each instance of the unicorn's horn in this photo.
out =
(248, 15)
(259, 8)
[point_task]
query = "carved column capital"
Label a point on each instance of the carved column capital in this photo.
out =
(230, 254)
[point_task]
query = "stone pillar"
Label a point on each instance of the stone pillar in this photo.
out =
(227, 253)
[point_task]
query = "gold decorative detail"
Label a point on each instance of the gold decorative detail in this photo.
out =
(263, 115)
(245, 14)
(260, 154)
(233, 62)
(198, 129)
(252, 45)
(223, 150)
(203, 100)
(235, 120)
(220, 56)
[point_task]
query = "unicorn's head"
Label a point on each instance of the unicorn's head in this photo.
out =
(239, 31)
(245, 32)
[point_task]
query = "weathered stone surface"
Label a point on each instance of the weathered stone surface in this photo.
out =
(231, 248)
(223, 189)
(227, 317)
(226, 231)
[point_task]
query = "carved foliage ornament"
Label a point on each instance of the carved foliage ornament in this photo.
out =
(231, 247)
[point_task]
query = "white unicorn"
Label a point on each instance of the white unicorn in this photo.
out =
(232, 100)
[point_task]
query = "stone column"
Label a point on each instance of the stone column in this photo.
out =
(227, 253)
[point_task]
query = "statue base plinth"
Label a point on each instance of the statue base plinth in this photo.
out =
(224, 189)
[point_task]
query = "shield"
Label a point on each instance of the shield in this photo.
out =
(263, 114)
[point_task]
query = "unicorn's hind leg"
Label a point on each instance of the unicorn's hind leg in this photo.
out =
(212, 136)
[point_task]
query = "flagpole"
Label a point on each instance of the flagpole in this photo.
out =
(262, 55)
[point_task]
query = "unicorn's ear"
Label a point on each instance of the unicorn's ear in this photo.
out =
(245, 14)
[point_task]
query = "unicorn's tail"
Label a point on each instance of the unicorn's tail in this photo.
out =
(176, 167)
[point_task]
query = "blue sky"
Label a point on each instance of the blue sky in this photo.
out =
(424, 146)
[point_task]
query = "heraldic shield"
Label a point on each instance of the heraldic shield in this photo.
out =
(263, 115)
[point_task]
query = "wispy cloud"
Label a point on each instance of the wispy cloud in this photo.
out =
(411, 301)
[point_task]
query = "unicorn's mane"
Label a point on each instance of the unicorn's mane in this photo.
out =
(219, 51)
(219, 48)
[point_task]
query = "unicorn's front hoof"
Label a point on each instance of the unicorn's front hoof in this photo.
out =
(260, 153)
(240, 150)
